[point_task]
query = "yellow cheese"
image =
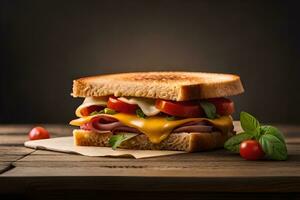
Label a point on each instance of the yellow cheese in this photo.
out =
(158, 128)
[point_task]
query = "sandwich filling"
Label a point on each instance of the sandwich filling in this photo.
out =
(155, 118)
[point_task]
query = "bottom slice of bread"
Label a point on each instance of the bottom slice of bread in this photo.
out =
(190, 142)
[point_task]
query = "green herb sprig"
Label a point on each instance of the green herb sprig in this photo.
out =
(140, 113)
(209, 109)
(107, 111)
(269, 137)
(116, 140)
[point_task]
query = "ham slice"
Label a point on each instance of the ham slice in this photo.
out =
(102, 124)
(193, 128)
(126, 129)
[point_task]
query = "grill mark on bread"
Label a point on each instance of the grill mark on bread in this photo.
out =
(164, 77)
(177, 86)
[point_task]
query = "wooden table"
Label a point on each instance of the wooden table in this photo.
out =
(35, 173)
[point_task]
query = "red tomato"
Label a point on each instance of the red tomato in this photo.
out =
(88, 110)
(38, 133)
(180, 109)
(223, 106)
(251, 150)
(120, 106)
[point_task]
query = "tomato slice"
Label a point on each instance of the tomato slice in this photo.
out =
(179, 109)
(120, 106)
(223, 105)
(88, 110)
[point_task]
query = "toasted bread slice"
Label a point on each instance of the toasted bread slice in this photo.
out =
(177, 86)
(189, 142)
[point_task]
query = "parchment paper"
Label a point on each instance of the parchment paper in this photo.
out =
(66, 145)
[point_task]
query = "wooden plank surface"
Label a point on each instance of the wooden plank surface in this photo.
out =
(206, 171)
(23, 129)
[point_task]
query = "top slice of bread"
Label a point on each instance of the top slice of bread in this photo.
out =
(177, 86)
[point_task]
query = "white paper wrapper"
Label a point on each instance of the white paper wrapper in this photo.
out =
(66, 145)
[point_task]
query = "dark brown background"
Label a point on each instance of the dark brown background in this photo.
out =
(47, 44)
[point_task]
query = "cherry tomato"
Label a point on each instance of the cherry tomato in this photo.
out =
(120, 106)
(38, 133)
(223, 106)
(180, 109)
(88, 110)
(251, 150)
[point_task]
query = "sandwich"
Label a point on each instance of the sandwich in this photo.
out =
(181, 111)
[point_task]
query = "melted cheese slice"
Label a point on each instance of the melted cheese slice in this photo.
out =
(91, 101)
(158, 128)
(146, 105)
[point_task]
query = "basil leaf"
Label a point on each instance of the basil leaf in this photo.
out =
(94, 113)
(97, 112)
(273, 147)
(249, 124)
(140, 113)
(209, 109)
(116, 140)
(272, 131)
(109, 111)
(233, 143)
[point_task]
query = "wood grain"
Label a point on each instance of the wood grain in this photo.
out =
(23, 129)
(213, 171)
(164, 170)
(8, 155)
(162, 181)
(4, 166)
(13, 150)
